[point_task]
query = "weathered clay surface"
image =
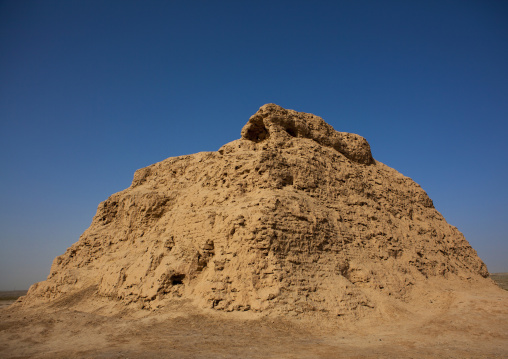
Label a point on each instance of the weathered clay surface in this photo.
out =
(278, 124)
(294, 217)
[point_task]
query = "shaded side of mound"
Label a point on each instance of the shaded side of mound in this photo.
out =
(294, 217)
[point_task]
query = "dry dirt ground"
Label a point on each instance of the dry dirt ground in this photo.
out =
(455, 325)
(9, 297)
(501, 279)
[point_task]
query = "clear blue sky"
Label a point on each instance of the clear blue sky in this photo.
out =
(90, 91)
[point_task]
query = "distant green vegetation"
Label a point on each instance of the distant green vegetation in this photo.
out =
(501, 279)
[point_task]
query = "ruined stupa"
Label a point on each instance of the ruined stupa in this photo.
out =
(293, 217)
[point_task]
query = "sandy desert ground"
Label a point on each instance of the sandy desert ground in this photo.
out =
(501, 279)
(9, 297)
(454, 325)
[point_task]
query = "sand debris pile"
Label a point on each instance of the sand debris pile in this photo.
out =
(294, 217)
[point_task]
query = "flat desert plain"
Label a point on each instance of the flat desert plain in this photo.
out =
(454, 325)
(9, 297)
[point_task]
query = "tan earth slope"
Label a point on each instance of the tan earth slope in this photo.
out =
(292, 218)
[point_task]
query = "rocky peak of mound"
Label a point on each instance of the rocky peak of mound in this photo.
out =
(294, 217)
(276, 124)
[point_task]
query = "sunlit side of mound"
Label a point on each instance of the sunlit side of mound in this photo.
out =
(292, 218)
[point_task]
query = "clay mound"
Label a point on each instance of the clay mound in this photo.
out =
(294, 217)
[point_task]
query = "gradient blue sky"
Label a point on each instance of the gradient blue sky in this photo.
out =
(90, 91)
